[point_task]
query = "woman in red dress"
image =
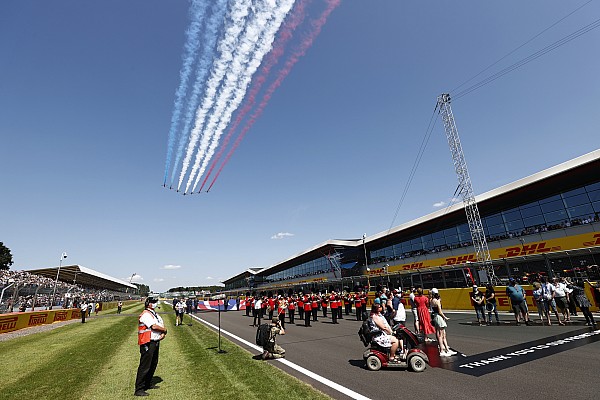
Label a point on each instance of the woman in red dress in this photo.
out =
(423, 313)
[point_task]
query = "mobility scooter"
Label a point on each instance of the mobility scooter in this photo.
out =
(412, 356)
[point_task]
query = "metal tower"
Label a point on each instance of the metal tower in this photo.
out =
(482, 252)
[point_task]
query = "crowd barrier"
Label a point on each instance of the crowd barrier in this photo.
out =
(19, 320)
(15, 321)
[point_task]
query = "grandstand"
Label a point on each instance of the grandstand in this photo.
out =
(544, 224)
(31, 289)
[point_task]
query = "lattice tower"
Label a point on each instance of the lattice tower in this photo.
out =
(482, 252)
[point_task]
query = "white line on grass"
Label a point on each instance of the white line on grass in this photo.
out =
(302, 370)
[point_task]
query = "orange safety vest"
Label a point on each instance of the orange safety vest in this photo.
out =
(144, 333)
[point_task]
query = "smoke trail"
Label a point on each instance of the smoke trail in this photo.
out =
(240, 58)
(197, 11)
(260, 43)
(285, 34)
(316, 27)
(238, 15)
(209, 40)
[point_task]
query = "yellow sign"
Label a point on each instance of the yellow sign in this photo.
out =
(551, 245)
(15, 321)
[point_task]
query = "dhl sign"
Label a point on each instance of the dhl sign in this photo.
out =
(37, 319)
(560, 244)
(461, 259)
(528, 249)
(8, 324)
(408, 267)
(376, 271)
(595, 242)
(313, 280)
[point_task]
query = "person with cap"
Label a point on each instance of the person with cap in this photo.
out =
(399, 314)
(282, 306)
(334, 308)
(491, 304)
(83, 309)
(439, 322)
(478, 303)
(272, 350)
(338, 300)
(180, 307)
(151, 331)
(358, 305)
(300, 304)
(257, 311)
(347, 303)
(307, 309)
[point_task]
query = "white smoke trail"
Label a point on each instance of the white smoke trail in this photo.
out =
(191, 46)
(262, 40)
(238, 15)
(209, 39)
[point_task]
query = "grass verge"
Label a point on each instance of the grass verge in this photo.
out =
(99, 359)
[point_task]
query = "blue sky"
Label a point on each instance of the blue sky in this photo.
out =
(86, 98)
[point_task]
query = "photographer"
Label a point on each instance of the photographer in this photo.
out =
(272, 350)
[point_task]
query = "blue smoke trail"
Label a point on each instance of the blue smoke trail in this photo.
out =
(192, 43)
(209, 40)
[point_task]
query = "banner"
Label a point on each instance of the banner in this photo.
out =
(15, 321)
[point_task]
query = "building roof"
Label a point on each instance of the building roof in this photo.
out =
(519, 185)
(568, 173)
(83, 276)
(243, 275)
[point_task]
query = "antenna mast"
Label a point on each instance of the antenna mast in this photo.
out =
(486, 269)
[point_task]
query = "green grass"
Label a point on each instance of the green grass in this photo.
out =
(99, 359)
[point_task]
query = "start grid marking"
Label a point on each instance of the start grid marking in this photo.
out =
(500, 359)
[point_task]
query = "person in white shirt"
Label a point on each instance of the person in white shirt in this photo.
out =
(180, 308)
(257, 311)
(561, 298)
(151, 330)
(548, 293)
(83, 307)
(413, 307)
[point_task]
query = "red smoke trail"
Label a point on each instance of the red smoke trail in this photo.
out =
(286, 33)
(316, 27)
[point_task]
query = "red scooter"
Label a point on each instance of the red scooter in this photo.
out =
(412, 356)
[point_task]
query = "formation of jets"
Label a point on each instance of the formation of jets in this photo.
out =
(177, 190)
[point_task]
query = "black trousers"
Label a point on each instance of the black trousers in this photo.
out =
(589, 318)
(306, 318)
(257, 315)
(292, 312)
(83, 317)
(324, 311)
(148, 363)
(314, 313)
(334, 315)
(340, 316)
(301, 312)
(358, 313)
(281, 317)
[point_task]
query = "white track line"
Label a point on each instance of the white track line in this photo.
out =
(302, 370)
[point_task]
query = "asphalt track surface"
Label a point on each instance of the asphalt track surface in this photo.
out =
(531, 362)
